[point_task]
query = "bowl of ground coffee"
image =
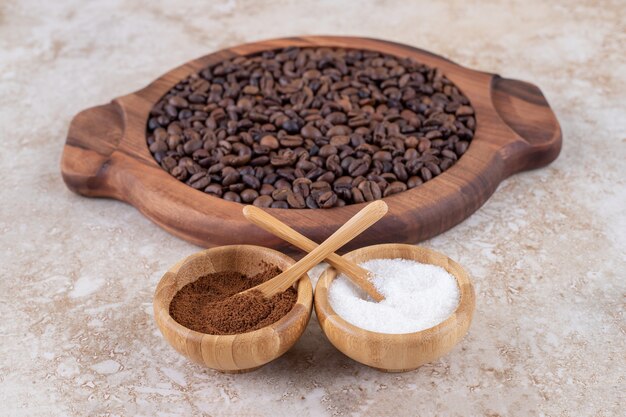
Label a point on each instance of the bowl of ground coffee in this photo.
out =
(428, 306)
(199, 314)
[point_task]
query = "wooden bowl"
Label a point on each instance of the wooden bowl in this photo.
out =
(231, 353)
(396, 352)
(106, 155)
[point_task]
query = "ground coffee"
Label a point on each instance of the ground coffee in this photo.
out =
(209, 304)
(310, 127)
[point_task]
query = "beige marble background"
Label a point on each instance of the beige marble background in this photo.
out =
(547, 252)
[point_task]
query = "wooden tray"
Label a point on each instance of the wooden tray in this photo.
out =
(106, 155)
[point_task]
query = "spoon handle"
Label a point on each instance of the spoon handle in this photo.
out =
(358, 275)
(366, 217)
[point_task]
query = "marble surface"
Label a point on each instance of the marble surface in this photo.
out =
(547, 252)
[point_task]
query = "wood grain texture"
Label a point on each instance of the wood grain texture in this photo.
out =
(240, 352)
(358, 275)
(106, 155)
(396, 352)
(366, 217)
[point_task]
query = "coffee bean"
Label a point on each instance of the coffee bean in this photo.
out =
(414, 181)
(318, 127)
(357, 195)
(358, 167)
(400, 171)
(461, 147)
(326, 199)
(340, 140)
(395, 188)
(371, 190)
(214, 189)
(232, 196)
(302, 186)
(281, 194)
(158, 146)
(263, 201)
(296, 200)
(311, 132)
(291, 126)
(270, 141)
(249, 195)
(281, 183)
(464, 111)
(327, 150)
(251, 181)
(266, 189)
(426, 174)
(231, 178)
(291, 141)
(280, 204)
(179, 173)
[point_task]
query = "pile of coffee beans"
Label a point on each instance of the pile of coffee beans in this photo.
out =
(310, 127)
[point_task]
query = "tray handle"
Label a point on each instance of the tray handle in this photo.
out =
(536, 132)
(93, 136)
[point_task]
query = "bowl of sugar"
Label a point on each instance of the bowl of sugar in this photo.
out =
(428, 307)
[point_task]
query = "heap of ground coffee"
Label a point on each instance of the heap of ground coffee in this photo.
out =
(310, 127)
(210, 304)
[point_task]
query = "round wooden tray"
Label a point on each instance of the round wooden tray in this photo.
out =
(106, 155)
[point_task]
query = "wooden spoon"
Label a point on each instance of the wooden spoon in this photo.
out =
(358, 275)
(369, 215)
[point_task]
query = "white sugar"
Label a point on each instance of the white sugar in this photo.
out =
(417, 297)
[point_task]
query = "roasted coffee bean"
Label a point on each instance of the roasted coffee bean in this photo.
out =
(214, 189)
(432, 167)
(414, 181)
(400, 171)
(230, 178)
(371, 190)
(326, 199)
(249, 195)
(279, 204)
(426, 174)
(357, 195)
(340, 140)
(266, 189)
(251, 181)
(311, 203)
(296, 200)
(282, 183)
(232, 196)
(179, 173)
(319, 127)
(359, 167)
(327, 150)
(461, 147)
(291, 141)
(263, 201)
(395, 188)
(237, 188)
(310, 132)
(291, 126)
(302, 186)
(270, 141)
(281, 194)
(159, 146)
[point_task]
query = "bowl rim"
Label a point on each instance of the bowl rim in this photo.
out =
(466, 298)
(304, 292)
